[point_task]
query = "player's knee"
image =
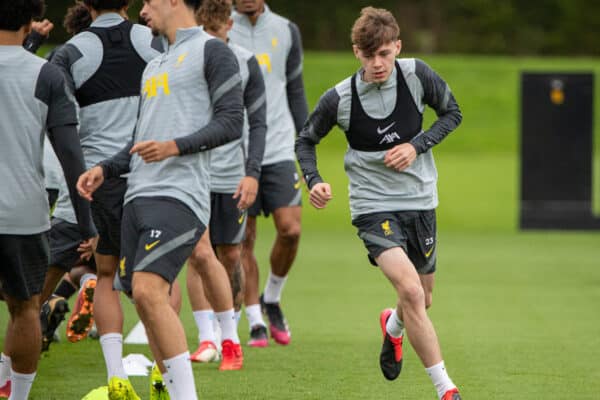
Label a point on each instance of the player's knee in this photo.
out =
(413, 296)
(143, 295)
(24, 309)
(250, 238)
(200, 257)
(290, 233)
(230, 259)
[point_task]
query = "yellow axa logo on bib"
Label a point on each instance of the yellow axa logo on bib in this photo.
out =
(154, 83)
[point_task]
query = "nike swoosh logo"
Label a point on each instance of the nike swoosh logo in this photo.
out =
(297, 185)
(387, 128)
(241, 219)
(150, 246)
(428, 254)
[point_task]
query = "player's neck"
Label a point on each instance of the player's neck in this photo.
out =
(217, 35)
(12, 38)
(254, 17)
(184, 21)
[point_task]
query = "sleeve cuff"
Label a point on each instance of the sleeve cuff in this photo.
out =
(312, 180)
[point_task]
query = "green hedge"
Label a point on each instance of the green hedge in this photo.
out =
(448, 26)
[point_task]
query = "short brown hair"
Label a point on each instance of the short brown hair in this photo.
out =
(77, 19)
(374, 28)
(213, 14)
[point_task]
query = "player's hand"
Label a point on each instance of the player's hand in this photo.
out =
(42, 27)
(246, 192)
(86, 248)
(320, 194)
(400, 157)
(153, 151)
(89, 181)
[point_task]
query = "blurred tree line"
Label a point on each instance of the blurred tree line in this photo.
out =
(450, 26)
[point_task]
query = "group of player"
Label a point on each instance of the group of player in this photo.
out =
(179, 168)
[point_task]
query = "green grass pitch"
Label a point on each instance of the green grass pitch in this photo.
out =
(517, 313)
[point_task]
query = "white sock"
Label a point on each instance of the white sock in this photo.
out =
(254, 316)
(112, 348)
(228, 325)
(5, 368)
(20, 385)
(439, 377)
(179, 371)
(238, 316)
(204, 322)
(169, 383)
(85, 278)
(273, 288)
(394, 325)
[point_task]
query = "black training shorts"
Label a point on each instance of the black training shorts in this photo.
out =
(227, 223)
(414, 231)
(279, 186)
(158, 235)
(107, 210)
(64, 242)
(24, 261)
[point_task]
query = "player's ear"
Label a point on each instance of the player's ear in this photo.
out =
(398, 47)
(229, 24)
(27, 28)
(356, 51)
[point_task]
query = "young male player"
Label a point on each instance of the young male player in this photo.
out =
(234, 174)
(191, 102)
(392, 176)
(276, 44)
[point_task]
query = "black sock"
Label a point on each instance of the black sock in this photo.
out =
(65, 289)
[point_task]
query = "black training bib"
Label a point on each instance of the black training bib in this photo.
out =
(371, 134)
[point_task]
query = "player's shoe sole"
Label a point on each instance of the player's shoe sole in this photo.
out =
(390, 358)
(207, 352)
(82, 319)
(52, 314)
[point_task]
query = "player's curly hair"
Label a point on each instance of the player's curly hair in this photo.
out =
(16, 13)
(213, 14)
(77, 19)
(107, 4)
(374, 28)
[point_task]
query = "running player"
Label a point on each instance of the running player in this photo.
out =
(392, 176)
(234, 183)
(276, 43)
(38, 101)
(191, 102)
